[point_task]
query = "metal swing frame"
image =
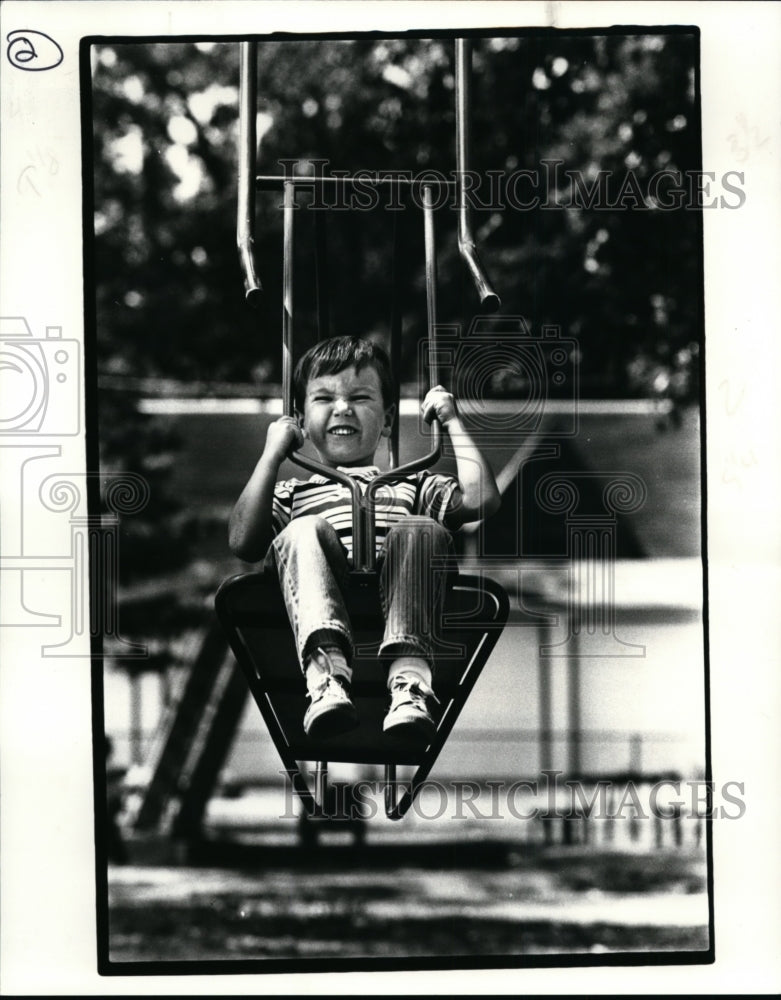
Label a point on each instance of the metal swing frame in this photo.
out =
(238, 599)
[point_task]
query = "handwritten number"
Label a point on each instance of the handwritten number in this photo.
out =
(32, 51)
(731, 403)
(749, 138)
(24, 178)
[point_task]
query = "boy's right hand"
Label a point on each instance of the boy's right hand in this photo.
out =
(283, 436)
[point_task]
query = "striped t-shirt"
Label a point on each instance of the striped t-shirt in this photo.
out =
(420, 493)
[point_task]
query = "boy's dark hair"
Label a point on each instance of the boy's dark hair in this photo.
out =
(329, 357)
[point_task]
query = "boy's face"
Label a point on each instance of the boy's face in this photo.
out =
(345, 417)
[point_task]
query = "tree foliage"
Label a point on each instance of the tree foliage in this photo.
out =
(625, 281)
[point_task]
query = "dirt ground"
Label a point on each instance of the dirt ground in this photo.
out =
(321, 906)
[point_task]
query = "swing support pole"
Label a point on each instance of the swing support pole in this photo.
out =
(288, 403)
(467, 247)
(289, 204)
(426, 461)
(245, 217)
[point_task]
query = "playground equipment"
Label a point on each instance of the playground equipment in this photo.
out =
(250, 606)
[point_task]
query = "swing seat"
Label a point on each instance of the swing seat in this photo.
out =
(253, 616)
(250, 607)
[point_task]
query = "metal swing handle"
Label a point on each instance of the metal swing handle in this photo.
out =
(467, 247)
(245, 216)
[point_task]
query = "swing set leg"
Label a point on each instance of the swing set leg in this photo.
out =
(390, 791)
(396, 804)
(313, 802)
(321, 785)
(302, 789)
(398, 796)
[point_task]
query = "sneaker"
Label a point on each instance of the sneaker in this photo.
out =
(331, 711)
(409, 716)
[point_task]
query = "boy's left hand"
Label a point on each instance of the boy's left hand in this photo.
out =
(439, 403)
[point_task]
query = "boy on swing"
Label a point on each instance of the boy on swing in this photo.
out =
(343, 396)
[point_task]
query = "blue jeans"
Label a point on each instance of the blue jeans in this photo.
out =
(312, 566)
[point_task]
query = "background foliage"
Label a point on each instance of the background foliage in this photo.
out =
(169, 292)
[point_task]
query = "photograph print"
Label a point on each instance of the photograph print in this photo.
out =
(394, 363)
